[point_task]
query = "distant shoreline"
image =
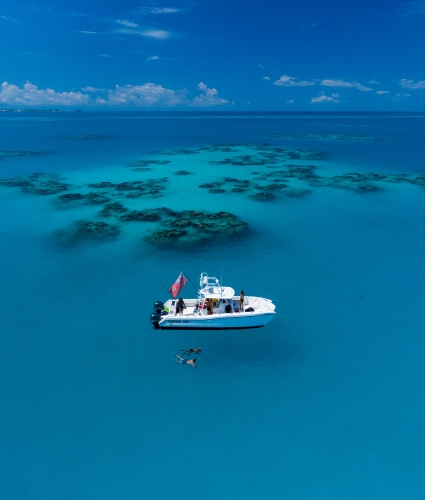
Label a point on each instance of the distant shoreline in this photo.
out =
(182, 112)
(36, 110)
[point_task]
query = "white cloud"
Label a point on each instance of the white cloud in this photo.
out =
(209, 98)
(158, 34)
(8, 18)
(31, 95)
(398, 97)
(325, 98)
(164, 10)
(92, 89)
(147, 95)
(411, 84)
(159, 10)
(382, 92)
(150, 95)
(289, 81)
(361, 87)
(103, 55)
(153, 58)
(124, 22)
(266, 78)
(342, 83)
(260, 66)
(290, 101)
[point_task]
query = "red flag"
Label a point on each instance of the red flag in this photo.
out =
(178, 285)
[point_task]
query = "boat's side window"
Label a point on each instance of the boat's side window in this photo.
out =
(173, 302)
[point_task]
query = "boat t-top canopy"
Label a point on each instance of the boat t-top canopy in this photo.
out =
(210, 288)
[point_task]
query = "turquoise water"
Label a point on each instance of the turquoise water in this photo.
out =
(327, 401)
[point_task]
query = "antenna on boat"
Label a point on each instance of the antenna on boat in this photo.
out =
(168, 291)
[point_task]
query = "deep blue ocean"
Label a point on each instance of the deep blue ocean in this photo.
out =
(326, 402)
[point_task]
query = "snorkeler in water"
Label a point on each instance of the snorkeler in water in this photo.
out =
(183, 361)
(194, 350)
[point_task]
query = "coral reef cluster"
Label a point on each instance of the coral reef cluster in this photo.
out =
(277, 172)
(339, 137)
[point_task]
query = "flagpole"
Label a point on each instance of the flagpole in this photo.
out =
(190, 281)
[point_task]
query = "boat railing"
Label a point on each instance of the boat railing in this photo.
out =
(207, 284)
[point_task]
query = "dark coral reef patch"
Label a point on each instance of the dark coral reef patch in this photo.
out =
(16, 154)
(188, 227)
(134, 189)
(87, 231)
(144, 165)
(339, 137)
(89, 198)
(81, 137)
(182, 172)
(42, 184)
(111, 209)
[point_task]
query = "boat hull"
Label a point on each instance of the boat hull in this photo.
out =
(223, 322)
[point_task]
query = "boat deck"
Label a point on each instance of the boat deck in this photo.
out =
(254, 304)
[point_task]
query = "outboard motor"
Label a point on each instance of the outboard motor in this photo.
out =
(158, 306)
(155, 319)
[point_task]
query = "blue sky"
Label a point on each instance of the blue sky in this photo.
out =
(307, 55)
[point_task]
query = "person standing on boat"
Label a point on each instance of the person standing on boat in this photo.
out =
(241, 300)
(180, 306)
(209, 305)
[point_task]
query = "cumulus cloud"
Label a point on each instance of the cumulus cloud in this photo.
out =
(324, 98)
(382, 92)
(266, 78)
(342, 83)
(31, 95)
(289, 81)
(208, 98)
(153, 58)
(89, 32)
(124, 22)
(151, 95)
(148, 95)
(411, 84)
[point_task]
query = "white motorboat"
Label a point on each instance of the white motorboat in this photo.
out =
(215, 308)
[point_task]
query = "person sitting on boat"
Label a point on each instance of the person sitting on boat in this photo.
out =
(194, 350)
(241, 300)
(183, 361)
(180, 306)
